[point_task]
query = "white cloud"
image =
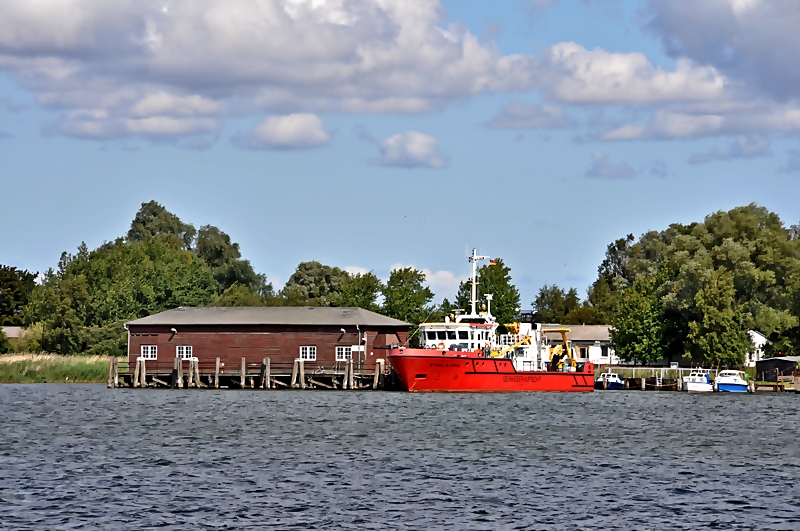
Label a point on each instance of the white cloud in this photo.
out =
(443, 283)
(742, 148)
(517, 115)
(356, 270)
(603, 169)
(579, 75)
(411, 150)
(296, 131)
(142, 59)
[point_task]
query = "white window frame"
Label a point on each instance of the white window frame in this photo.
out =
(184, 352)
(149, 352)
(344, 353)
(308, 353)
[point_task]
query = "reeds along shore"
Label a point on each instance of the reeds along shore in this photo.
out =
(52, 368)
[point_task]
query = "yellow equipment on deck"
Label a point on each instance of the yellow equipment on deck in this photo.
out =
(559, 349)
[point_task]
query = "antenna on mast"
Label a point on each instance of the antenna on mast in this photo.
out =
(473, 260)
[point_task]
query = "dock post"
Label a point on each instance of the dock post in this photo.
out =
(116, 372)
(174, 379)
(197, 381)
(143, 374)
(216, 376)
(352, 375)
(180, 373)
(346, 380)
(292, 383)
(377, 372)
(302, 374)
(382, 375)
(605, 384)
(267, 375)
(111, 372)
(642, 384)
(135, 382)
(243, 373)
(190, 382)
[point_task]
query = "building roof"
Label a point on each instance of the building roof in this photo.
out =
(12, 332)
(582, 333)
(272, 315)
(793, 359)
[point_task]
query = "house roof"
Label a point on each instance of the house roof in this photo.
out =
(12, 332)
(793, 359)
(580, 333)
(273, 315)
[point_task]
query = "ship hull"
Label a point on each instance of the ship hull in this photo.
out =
(425, 370)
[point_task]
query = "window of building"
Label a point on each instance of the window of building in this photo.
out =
(584, 353)
(344, 353)
(185, 352)
(149, 352)
(308, 353)
(463, 334)
(604, 351)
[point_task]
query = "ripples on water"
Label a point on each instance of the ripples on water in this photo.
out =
(83, 457)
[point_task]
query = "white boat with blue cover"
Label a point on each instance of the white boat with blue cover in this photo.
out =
(698, 381)
(730, 382)
(612, 381)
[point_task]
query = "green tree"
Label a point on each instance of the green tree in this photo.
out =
(84, 303)
(361, 290)
(718, 336)
(553, 304)
(637, 331)
(237, 295)
(314, 284)
(5, 344)
(407, 298)
(494, 280)
(153, 220)
(225, 261)
(16, 286)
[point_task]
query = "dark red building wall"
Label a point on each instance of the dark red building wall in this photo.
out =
(254, 343)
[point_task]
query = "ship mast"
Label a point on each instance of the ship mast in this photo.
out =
(473, 260)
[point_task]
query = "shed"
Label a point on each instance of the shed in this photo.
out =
(767, 369)
(323, 337)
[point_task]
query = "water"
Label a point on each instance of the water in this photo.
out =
(84, 457)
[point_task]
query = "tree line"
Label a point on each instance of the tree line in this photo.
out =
(686, 291)
(162, 263)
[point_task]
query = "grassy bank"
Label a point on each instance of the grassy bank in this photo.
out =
(52, 368)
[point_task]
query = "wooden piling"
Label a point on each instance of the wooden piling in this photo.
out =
(143, 374)
(302, 374)
(352, 382)
(605, 384)
(116, 372)
(180, 373)
(135, 382)
(346, 380)
(243, 373)
(295, 368)
(267, 376)
(642, 384)
(216, 376)
(190, 382)
(111, 372)
(197, 381)
(378, 372)
(174, 377)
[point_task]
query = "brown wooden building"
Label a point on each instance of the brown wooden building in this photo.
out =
(324, 338)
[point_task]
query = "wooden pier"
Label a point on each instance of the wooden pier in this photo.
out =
(194, 374)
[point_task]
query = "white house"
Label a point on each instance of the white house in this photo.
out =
(757, 352)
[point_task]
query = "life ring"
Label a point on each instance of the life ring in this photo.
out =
(440, 346)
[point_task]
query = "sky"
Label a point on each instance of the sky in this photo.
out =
(373, 134)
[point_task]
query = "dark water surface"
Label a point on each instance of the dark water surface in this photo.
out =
(84, 457)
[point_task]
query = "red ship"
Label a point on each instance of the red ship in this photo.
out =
(465, 354)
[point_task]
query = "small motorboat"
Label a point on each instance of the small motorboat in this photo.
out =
(698, 381)
(609, 381)
(731, 382)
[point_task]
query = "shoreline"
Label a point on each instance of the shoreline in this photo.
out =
(53, 368)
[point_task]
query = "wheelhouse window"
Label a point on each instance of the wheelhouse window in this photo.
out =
(149, 352)
(185, 352)
(432, 336)
(451, 334)
(463, 334)
(344, 353)
(308, 353)
(441, 335)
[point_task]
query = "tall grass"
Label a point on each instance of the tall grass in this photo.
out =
(52, 368)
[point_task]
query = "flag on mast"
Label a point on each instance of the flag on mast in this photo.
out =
(492, 262)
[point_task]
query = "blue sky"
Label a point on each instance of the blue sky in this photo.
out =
(372, 133)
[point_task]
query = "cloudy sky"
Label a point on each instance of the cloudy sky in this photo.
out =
(374, 133)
